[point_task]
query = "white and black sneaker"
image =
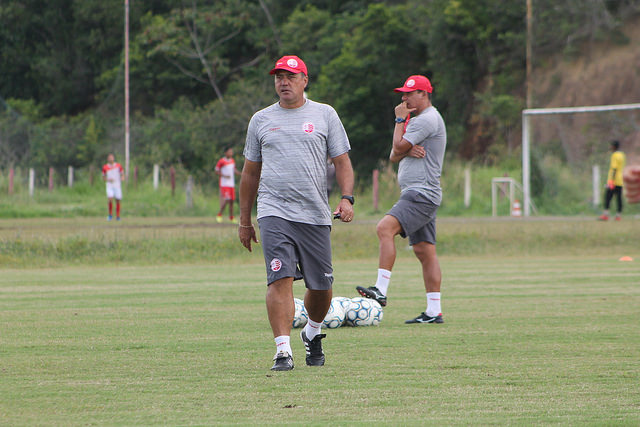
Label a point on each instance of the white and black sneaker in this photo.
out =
(423, 318)
(315, 355)
(372, 293)
(282, 362)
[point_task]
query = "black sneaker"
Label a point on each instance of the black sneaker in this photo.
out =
(423, 318)
(282, 362)
(372, 293)
(315, 355)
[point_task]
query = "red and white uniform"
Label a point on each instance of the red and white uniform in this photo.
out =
(112, 173)
(227, 168)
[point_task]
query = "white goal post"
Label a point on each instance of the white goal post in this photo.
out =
(526, 136)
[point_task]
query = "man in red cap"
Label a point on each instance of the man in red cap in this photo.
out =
(418, 145)
(286, 151)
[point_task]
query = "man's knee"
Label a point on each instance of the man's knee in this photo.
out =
(424, 251)
(388, 227)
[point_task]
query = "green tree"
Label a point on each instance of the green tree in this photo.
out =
(359, 82)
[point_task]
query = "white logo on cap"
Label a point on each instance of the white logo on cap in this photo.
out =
(292, 63)
(411, 83)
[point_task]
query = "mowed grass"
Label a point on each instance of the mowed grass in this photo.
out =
(527, 341)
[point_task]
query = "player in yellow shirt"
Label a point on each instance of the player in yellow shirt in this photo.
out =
(614, 181)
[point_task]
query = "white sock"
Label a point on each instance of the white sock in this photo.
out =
(312, 329)
(383, 280)
(283, 344)
(433, 304)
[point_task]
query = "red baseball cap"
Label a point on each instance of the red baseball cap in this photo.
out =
(290, 63)
(415, 83)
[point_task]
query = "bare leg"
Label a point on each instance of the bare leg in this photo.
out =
(387, 229)
(222, 206)
(431, 273)
(280, 306)
(230, 208)
(317, 304)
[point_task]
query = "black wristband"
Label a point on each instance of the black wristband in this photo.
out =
(350, 199)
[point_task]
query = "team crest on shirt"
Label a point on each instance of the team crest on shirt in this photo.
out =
(307, 127)
(276, 264)
(411, 83)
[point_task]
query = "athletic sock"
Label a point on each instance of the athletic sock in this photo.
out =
(110, 208)
(433, 304)
(312, 329)
(118, 208)
(383, 280)
(283, 344)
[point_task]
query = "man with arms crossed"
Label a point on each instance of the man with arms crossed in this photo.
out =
(286, 153)
(113, 175)
(419, 146)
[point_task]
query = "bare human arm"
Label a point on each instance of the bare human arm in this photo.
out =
(402, 148)
(248, 191)
(344, 177)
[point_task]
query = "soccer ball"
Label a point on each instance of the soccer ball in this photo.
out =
(335, 315)
(300, 316)
(364, 312)
(344, 302)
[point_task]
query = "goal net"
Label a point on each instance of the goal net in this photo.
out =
(565, 154)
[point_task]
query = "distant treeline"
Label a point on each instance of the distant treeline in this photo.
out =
(198, 70)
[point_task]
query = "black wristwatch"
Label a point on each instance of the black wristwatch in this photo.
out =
(400, 120)
(350, 199)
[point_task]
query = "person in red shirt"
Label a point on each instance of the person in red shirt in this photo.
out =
(225, 169)
(113, 175)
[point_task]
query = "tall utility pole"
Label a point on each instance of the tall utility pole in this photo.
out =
(126, 89)
(529, 64)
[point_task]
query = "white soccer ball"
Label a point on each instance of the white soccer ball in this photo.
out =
(335, 315)
(364, 312)
(300, 316)
(345, 302)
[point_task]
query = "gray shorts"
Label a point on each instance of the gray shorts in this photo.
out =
(294, 249)
(417, 216)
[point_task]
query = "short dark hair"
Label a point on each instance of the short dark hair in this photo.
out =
(615, 144)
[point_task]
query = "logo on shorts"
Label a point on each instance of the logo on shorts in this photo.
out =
(276, 264)
(292, 63)
(411, 83)
(307, 127)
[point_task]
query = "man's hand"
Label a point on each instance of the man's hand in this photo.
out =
(345, 210)
(611, 184)
(631, 177)
(247, 233)
(402, 111)
(417, 151)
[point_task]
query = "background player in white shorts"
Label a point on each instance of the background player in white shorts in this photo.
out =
(286, 151)
(113, 175)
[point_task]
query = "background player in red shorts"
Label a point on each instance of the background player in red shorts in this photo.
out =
(226, 168)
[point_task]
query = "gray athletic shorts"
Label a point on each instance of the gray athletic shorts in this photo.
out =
(417, 216)
(294, 249)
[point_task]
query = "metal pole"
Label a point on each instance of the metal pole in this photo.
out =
(126, 89)
(467, 187)
(526, 174)
(529, 54)
(596, 185)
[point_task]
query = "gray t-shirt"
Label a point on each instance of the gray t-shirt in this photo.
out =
(427, 129)
(293, 146)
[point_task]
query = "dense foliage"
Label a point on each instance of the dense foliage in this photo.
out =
(198, 70)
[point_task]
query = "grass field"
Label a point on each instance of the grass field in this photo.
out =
(541, 328)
